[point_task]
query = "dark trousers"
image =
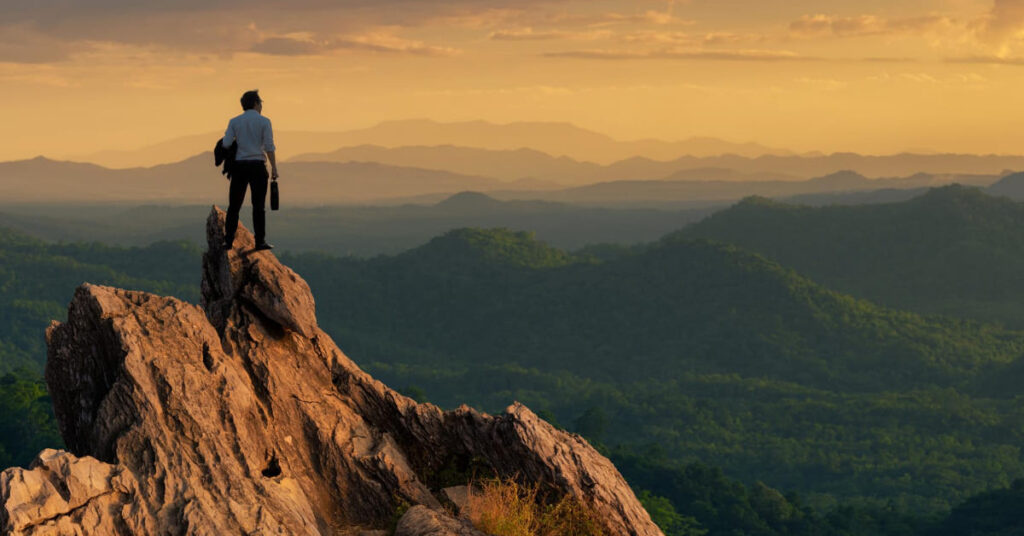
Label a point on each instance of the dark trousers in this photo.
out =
(251, 174)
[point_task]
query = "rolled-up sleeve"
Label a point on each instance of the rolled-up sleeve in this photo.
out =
(268, 137)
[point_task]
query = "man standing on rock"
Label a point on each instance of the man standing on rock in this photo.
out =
(255, 138)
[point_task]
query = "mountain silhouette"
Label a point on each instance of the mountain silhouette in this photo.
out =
(196, 180)
(558, 139)
(507, 165)
(469, 201)
(1011, 186)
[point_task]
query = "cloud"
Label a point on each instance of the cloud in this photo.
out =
(988, 60)
(721, 38)
(225, 27)
(893, 59)
(647, 17)
(377, 42)
(751, 55)
(665, 39)
(581, 27)
(20, 44)
(1004, 22)
(686, 39)
(183, 33)
(287, 46)
(999, 33)
(608, 18)
(27, 53)
(528, 34)
(57, 13)
(716, 55)
(488, 18)
(820, 25)
(392, 45)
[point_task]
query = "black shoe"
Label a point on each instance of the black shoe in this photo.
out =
(262, 246)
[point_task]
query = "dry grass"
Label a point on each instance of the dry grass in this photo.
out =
(505, 508)
(568, 517)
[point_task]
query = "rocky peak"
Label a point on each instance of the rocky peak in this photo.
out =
(242, 277)
(242, 416)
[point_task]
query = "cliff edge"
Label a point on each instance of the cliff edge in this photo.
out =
(240, 416)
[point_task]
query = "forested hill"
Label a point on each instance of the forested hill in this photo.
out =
(675, 307)
(696, 349)
(37, 280)
(682, 353)
(954, 251)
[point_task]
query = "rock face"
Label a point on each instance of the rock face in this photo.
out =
(242, 416)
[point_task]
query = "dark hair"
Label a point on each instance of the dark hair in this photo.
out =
(250, 99)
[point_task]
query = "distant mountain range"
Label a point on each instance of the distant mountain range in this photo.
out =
(899, 165)
(542, 156)
(196, 180)
(559, 139)
(508, 165)
(529, 163)
(526, 164)
(362, 231)
(669, 193)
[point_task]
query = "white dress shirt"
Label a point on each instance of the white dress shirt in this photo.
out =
(253, 133)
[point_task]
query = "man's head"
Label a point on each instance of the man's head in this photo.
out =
(251, 100)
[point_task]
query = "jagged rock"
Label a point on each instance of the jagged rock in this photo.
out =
(422, 521)
(60, 492)
(244, 275)
(242, 416)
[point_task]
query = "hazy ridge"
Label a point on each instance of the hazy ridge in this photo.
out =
(559, 139)
(196, 180)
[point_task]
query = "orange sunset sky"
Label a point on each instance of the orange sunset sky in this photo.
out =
(870, 76)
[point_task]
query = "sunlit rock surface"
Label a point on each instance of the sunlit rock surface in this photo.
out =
(241, 416)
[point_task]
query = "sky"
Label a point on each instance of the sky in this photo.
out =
(869, 76)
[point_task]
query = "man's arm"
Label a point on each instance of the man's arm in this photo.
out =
(229, 137)
(273, 164)
(269, 148)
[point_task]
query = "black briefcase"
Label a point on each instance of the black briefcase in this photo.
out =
(275, 197)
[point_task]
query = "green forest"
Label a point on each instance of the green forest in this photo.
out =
(736, 395)
(953, 251)
(708, 352)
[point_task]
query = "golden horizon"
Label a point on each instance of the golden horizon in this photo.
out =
(875, 78)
